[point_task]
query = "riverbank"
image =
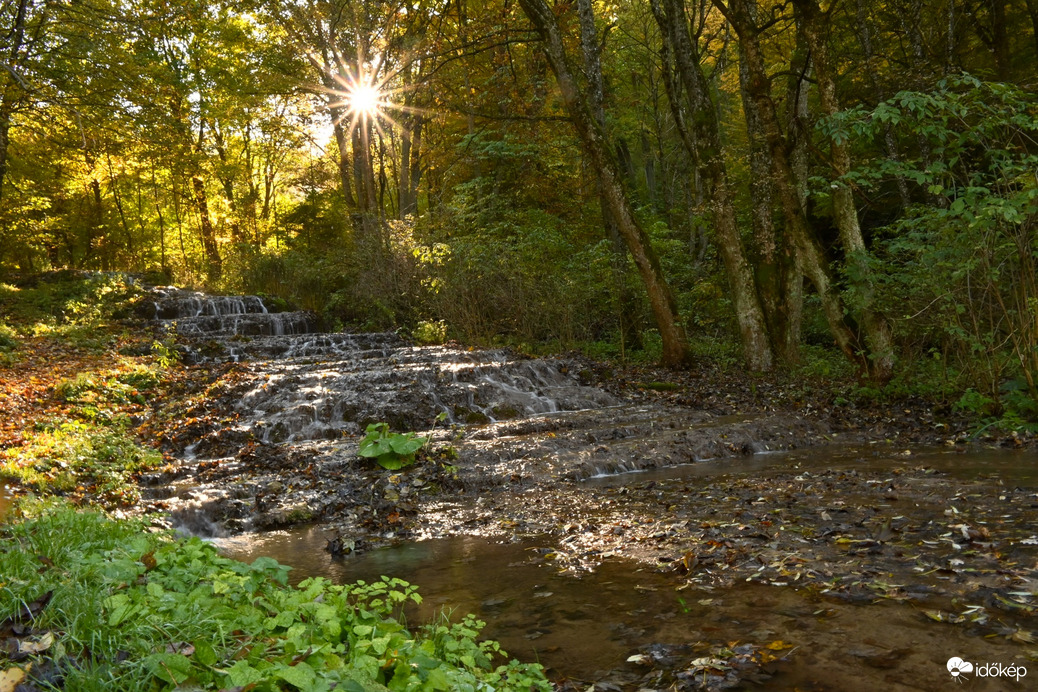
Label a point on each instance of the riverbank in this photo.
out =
(801, 484)
(92, 603)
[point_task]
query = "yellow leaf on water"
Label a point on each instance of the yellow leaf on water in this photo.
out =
(778, 645)
(1023, 637)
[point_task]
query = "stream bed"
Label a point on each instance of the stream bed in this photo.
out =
(626, 539)
(631, 624)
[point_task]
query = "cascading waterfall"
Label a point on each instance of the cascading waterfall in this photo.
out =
(288, 419)
(308, 385)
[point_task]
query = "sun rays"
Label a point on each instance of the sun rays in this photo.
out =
(362, 100)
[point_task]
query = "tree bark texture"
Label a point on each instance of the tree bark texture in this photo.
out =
(708, 156)
(205, 226)
(815, 265)
(777, 270)
(877, 329)
(629, 332)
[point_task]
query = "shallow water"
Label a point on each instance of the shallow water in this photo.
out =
(518, 420)
(586, 626)
(1012, 466)
(6, 500)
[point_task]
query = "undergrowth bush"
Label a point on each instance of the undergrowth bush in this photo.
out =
(8, 338)
(958, 270)
(74, 307)
(133, 610)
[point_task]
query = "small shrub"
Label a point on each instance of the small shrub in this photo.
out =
(165, 352)
(109, 388)
(430, 332)
(8, 339)
(80, 458)
(973, 401)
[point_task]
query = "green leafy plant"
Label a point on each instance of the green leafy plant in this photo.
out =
(165, 353)
(390, 450)
(129, 609)
(430, 332)
(957, 267)
(8, 338)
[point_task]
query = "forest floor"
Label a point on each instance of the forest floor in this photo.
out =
(860, 512)
(883, 503)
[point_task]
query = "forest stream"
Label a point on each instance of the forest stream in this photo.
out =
(626, 542)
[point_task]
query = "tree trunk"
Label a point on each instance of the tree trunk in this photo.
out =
(415, 173)
(649, 167)
(630, 335)
(777, 269)
(815, 265)
(5, 140)
(205, 225)
(664, 307)
(404, 175)
(708, 156)
(875, 325)
(344, 164)
(12, 85)
(1000, 39)
(227, 182)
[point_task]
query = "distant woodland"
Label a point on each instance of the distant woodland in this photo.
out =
(848, 186)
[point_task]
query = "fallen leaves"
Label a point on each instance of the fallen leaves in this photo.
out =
(13, 677)
(20, 622)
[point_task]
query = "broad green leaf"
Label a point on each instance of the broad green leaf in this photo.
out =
(204, 654)
(173, 668)
(301, 675)
(393, 462)
(406, 445)
(242, 674)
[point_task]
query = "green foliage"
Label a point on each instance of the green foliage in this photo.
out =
(128, 384)
(975, 402)
(80, 457)
(390, 450)
(74, 307)
(1015, 410)
(430, 332)
(155, 613)
(165, 352)
(959, 266)
(8, 338)
(722, 352)
(495, 270)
